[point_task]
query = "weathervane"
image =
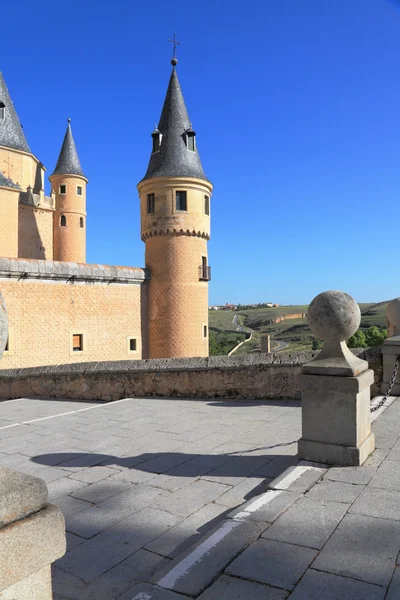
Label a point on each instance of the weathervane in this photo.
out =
(174, 60)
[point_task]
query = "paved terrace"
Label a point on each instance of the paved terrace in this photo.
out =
(195, 497)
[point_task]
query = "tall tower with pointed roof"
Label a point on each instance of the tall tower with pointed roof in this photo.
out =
(175, 226)
(69, 188)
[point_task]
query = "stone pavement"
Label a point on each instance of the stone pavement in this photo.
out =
(141, 480)
(197, 499)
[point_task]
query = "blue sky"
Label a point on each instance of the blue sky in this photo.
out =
(296, 108)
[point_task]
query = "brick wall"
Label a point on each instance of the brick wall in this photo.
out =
(48, 302)
(9, 222)
(35, 233)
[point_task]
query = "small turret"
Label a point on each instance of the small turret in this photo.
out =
(69, 188)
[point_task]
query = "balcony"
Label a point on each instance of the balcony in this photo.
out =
(204, 273)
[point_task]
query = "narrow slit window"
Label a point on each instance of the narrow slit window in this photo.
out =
(81, 222)
(151, 203)
(6, 349)
(205, 331)
(79, 190)
(181, 200)
(190, 143)
(207, 205)
(2, 111)
(63, 189)
(63, 221)
(77, 342)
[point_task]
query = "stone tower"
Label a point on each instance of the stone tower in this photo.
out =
(175, 226)
(69, 187)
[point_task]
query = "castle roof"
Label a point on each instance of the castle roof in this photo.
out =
(174, 158)
(68, 162)
(5, 182)
(11, 132)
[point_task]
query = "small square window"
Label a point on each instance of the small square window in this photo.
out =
(132, 345)
(181, 200)
(63, 189)
(79, 190)
(77, 342)
(151, 203)
(2, 110)
(207, 205)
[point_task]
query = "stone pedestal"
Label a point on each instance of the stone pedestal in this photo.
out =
(336, 388)
(32, 536)
(265, 343)
(336, 425)
(390, 351)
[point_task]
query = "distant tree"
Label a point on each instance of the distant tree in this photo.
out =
(375, 337)
(316, 344)
(357, 340)
(214, 347)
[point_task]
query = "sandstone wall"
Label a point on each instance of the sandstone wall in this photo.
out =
(249, 376)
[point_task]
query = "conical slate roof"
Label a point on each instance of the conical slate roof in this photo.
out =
(68, 162)
(174, 159)
(11, 133)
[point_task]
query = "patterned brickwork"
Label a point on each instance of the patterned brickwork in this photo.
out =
(22, 168)
(9, 223)
(43, 316)
(70, 239)
(176, 242)
(35, 233)
(178, 301)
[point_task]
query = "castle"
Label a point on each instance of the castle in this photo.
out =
(62, 310)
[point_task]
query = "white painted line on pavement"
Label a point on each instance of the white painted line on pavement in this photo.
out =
(143, 596)
(71, 412)
(184, 566)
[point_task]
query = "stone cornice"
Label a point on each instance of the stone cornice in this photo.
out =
(152, 233)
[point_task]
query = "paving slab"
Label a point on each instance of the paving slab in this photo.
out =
(335, 491)
(195, 570)
(191, 498)
(188, 532)
(100, 517)
(379, 503)
(364, 548)
(115, 544)
(303, 483)
(231, 588)
(266, 507)
(316, 585)
(99, 491)
(151, 592)
(394, 588)
(387, 476)
(275, 563)
(307, 522)
(359, 475)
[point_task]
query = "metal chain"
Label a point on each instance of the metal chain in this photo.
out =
(391, 384)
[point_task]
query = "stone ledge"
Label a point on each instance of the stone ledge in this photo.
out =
(20, 495)
(28, 545)
(23, 268)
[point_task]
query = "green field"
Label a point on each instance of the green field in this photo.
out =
(294, 332)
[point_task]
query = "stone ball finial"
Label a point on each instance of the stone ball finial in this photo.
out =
(393, 312)
(174, 61)
(334, 316)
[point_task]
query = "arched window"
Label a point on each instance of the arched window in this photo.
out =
(81, 222)
(63, 221)
(2, 110)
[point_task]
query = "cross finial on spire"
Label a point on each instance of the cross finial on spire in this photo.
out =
(174, 60)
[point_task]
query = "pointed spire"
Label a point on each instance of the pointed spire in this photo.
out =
(177, 156)
(11, 132)
(68, 162)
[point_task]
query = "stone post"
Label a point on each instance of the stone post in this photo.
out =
(391, 348)
(336, 426)
(265, 343)
(32, 536)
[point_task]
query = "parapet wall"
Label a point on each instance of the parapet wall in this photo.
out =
(257, 376)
